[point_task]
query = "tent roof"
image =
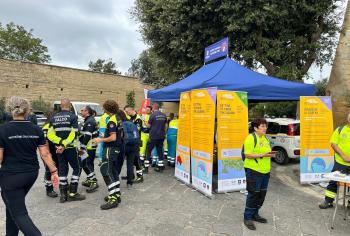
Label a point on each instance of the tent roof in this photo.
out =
(226, 74)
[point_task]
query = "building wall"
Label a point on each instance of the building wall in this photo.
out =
(52, 83)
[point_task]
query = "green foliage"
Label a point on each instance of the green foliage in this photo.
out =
(104, 66)
(321, 86)
(2, 104)
(130, 98)
(19, 44)
(274, 109)
(41, 105)
(284, 37)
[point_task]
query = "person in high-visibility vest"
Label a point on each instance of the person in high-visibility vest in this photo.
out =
(102, 130)
(171, 138)
(145, 133)
(257, 164)
(341, 146)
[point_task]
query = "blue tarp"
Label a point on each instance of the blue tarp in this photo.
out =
(226, 74)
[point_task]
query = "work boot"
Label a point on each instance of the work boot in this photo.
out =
(92, 187)
(325, 205)
(107, 197)
(259, 219)
(145, 170)
(73, 193)
(63, 193)
(249, 224)
(113, 201)
(51, 194)
(86, 183)
(137, 180)
(159, 169)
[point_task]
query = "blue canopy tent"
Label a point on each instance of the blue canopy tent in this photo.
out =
(226, 74)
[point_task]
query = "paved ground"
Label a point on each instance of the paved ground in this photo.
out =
(164, 206)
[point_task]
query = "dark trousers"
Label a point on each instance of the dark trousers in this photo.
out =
(158, 143)
(47, 176)
(69, 156)
(257, 187)
(132, 159)
(120, 160)
(14, 188)
(88, 164)
(332, 187)
(108, 169)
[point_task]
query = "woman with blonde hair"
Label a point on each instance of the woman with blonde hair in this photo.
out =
(19, 141)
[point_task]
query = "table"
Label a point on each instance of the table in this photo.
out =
(341, 180)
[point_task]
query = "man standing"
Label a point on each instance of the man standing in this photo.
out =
(88, 148)
(63, 132)
(145, 133)
(136, 119)
(340, 142)
(157, 124)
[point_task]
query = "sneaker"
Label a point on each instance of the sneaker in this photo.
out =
(259, 219)
(249, 224)
(325, 205)
(93, 187)
(86, 183)
(52, 194)
(137, 180)
(112, 202)
(75, 197)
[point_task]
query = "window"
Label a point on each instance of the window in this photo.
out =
(273, 128)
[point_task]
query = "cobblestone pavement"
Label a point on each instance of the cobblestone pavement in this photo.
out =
(164, 206)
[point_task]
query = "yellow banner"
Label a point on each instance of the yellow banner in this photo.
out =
(232, 129)
(203, 103)
(183, 147)
(316, 128)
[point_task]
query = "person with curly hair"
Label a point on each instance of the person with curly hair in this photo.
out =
(111, 152)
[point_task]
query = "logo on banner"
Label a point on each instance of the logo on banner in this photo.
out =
(216, 50)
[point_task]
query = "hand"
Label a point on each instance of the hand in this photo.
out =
(97, 140)
(81, 151)
(346, 158)
(270, 154)
(54, 179)
(59, 149)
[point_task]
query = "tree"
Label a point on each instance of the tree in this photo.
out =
(130, 98)
(41, 105)
(284, 37)
(104, 66)
(19, 44)
(146, 68)
(321, 86)
(275, 109)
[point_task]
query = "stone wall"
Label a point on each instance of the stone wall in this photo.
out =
(32, 80)
(339, 83)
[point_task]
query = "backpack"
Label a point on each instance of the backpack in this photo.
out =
(130, 133)
(255, 142)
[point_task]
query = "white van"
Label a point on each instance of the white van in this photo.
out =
(77, 106)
